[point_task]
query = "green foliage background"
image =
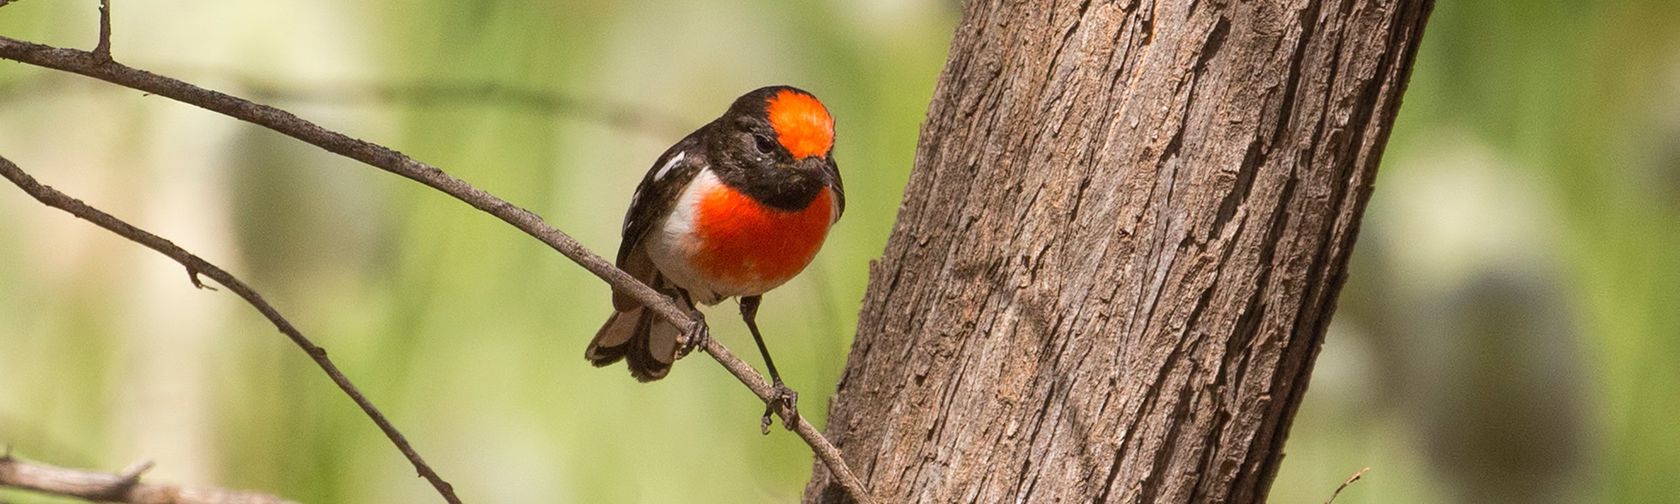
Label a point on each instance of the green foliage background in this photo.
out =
(1508, 334)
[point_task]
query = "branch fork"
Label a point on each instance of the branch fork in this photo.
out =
(102, 50)
(124, 486)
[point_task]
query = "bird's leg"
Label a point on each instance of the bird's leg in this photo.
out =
(785, 397)
(696, 334)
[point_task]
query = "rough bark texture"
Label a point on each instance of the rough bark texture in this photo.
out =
(1119, 249)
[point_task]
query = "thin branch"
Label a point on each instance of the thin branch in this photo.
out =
(197, 266)
(122, 487)
(384, 158)
(1344, 485)
(103, 49)
(621, 116)
(616, 115)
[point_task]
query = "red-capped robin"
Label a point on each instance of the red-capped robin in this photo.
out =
(736, 208)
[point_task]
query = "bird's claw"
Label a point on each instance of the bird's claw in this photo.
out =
(785, 399)
(696, 334)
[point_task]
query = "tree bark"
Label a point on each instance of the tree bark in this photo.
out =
(1119, 249)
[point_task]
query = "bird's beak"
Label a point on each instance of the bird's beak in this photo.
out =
(813, 164)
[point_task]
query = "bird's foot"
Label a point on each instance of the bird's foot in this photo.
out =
(787, 401)
(695, 335)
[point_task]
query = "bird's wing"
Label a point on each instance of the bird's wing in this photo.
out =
(654, 197)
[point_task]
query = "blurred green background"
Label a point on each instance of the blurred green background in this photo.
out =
(1509, 332)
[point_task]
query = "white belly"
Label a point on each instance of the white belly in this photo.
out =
(672, 244)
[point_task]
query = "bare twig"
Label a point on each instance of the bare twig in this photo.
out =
(617, 115)
(197, 266)
(103, 49)
(131, 474)
(123, 487)
(1344, 485)
(621, 116)
(384, 158)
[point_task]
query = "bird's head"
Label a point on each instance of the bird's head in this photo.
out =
(782, 127)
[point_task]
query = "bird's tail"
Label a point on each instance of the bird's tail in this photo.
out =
(647, 342)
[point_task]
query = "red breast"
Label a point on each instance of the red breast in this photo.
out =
(743, 242)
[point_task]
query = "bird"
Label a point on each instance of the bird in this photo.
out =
(735, 209)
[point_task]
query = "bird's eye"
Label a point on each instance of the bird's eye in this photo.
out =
(764, 143)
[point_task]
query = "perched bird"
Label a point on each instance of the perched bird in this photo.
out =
(736, 208)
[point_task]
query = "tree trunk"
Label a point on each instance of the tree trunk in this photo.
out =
(1119, 249)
